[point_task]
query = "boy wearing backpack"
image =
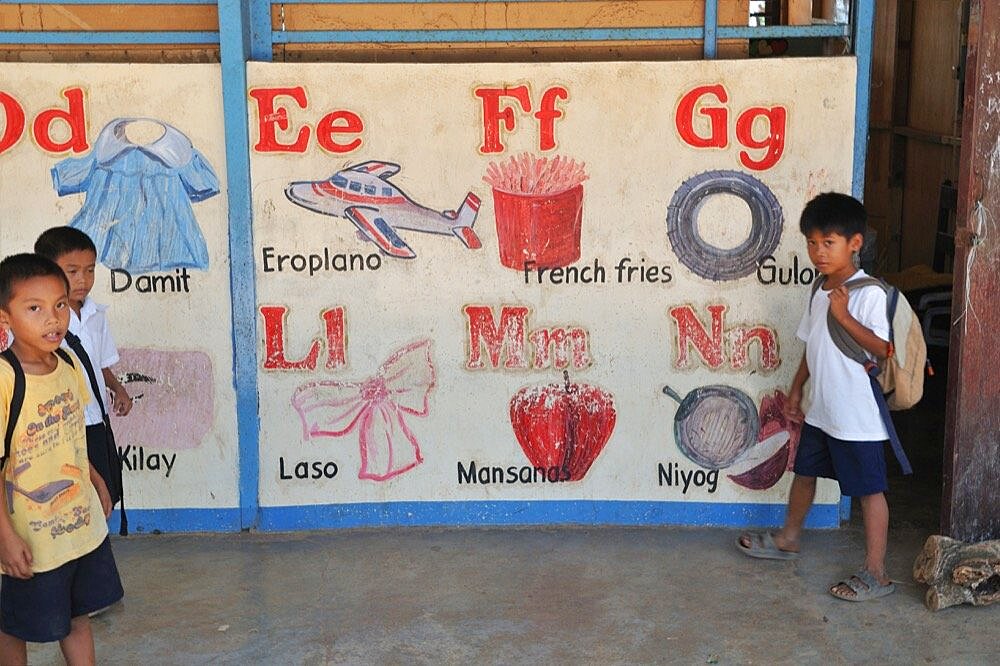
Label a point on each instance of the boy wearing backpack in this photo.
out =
(75, 253)
(843, 431)
(55, 554)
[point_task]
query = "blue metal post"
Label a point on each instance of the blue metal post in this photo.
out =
(711, 28)
(234, 24)
(864, 25)
(261, 44)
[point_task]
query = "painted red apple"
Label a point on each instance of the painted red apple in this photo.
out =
(563, 426)
(764, 464)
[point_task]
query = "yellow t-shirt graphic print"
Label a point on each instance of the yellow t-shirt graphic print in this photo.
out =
(54, 506)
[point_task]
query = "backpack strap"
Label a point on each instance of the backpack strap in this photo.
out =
(890, 428)
(817, 283)
(61, 353)
(844, 342)
(16, 401)
(73, 340)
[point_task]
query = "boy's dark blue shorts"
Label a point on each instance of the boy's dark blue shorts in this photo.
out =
(39, 609)
(858, 466)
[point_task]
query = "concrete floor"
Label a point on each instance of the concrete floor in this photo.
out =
(540, 596)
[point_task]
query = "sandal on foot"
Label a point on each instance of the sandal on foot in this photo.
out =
(762, 545)
(865, 587)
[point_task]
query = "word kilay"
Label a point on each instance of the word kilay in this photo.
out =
(136, 459)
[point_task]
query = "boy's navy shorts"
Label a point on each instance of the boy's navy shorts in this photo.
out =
(39, 609)
(858, 466)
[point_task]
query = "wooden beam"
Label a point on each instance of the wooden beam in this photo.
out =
(971, 503)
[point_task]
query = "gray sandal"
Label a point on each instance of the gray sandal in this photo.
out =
(762, 546)
(865, 587)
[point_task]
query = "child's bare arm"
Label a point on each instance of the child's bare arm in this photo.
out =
(121, 402)
(102, 491)
(15, 554)
(793, 405)
(871, 343)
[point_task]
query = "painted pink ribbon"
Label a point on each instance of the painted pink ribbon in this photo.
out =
(376, 407)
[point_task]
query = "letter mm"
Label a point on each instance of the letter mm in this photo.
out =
(559, 347)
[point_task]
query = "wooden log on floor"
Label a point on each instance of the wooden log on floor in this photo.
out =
(958, 573)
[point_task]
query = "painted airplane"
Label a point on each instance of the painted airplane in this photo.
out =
(364, 195)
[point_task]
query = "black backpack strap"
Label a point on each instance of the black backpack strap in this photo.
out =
(74, 343)
(16, 401)
(114, 460)
(65, 357)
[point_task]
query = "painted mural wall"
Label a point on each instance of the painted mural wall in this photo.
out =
(514, 283)
(486, 293)
(134, 156)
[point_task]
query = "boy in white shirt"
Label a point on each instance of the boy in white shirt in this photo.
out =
(843, 434)
(76, 254)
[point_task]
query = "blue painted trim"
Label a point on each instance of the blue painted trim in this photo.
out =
(864, 24)
(261, 46)
(100, 37)
(549, 35)
(551, 512)
(711, 28)
(235, 47)
(149, 521)
(499, 35)
(845, 509)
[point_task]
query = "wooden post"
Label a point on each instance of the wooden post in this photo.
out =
(799, 12)
(971, 502)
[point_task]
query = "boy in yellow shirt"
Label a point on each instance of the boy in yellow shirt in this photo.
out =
(54, 549)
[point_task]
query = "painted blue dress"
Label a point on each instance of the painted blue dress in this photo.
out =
(138, 198)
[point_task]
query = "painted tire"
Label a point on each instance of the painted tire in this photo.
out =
(705, 259)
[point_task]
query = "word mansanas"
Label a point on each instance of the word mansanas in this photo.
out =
(512, 474)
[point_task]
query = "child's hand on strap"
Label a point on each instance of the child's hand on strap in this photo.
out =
(838, 303)
(15, 556)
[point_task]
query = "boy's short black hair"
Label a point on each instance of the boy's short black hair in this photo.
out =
(20, 267)
(57, 241)
(832, 212)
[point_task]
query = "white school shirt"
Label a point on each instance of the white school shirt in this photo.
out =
(841, 401)
(91, 326)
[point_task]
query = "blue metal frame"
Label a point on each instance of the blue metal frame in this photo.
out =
(863, 12)
(711, 29)
(549, 35)
(246, 34)
(234, 19)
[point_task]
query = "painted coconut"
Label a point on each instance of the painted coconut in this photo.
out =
(765, 463)
(715, 424)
